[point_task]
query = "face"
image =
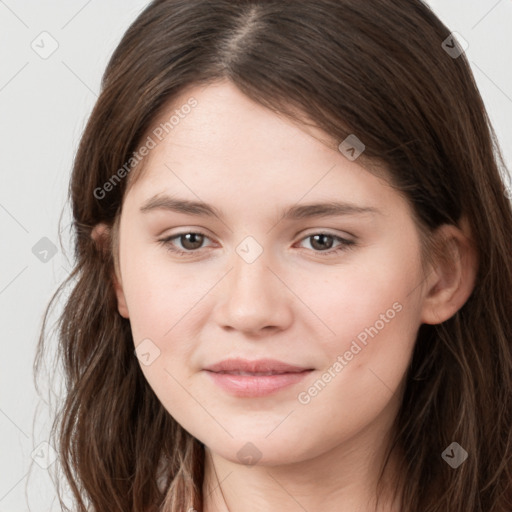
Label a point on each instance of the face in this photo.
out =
(326, 300)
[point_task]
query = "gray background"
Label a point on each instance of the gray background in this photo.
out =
(44, 104)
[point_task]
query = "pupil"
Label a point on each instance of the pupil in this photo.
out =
(322, 238)
(195, 243)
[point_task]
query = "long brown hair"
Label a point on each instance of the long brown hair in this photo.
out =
(383, 70)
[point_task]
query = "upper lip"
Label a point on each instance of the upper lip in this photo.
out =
(256, 366)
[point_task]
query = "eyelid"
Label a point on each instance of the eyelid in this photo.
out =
(320, 231)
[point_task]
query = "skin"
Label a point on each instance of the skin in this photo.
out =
(292, 303)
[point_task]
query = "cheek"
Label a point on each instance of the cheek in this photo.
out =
(375, 325)
(162, 305)
(373, 321)
(374, 291)
(161, 296)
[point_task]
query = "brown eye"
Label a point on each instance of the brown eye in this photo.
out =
(321, 241)
(191, 241)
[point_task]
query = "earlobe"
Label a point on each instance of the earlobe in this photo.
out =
(101, 234)
(453, 277)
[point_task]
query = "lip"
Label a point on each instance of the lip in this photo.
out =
(254, 366)
(226, 374)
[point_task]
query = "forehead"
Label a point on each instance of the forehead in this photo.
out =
(227, 143)
(224, 120)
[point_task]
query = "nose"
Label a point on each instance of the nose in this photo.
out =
(254, 298)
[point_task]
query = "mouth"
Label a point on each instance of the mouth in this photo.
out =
(254, 373)
(245, 378)
(258, 366)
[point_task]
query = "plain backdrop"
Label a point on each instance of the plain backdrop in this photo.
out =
(45, 101)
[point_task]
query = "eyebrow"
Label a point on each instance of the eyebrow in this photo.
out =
(296, 212)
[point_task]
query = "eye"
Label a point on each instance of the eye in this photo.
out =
(324, 241)
(192, 241)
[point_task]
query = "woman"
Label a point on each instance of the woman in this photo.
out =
(218, 355)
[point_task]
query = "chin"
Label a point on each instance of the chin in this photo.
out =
(256, 450)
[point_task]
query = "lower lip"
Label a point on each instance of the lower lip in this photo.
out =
(256, 385)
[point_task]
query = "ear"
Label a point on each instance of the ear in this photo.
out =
(101, 234)
(452, 279)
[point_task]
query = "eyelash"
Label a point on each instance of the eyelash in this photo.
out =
(344, 246)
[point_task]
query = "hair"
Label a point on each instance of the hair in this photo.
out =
(376, 69)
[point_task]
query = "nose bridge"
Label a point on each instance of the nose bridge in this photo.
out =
(250, 277)
(254, 297)
(250, 280)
